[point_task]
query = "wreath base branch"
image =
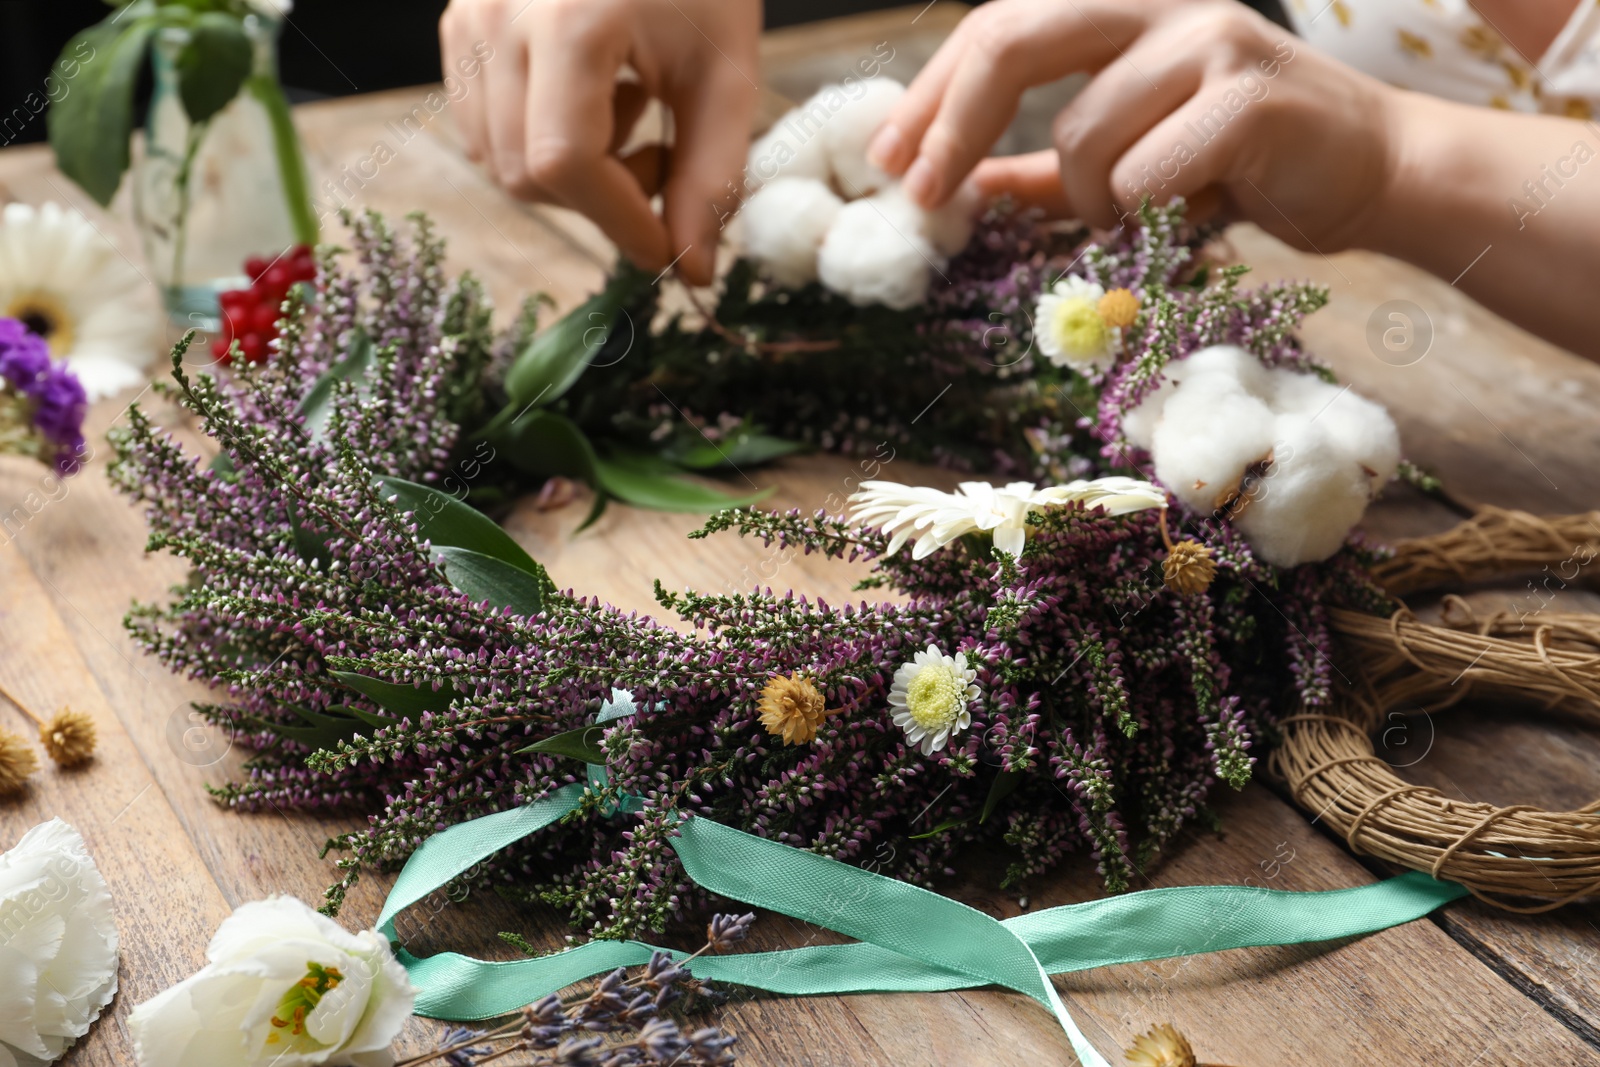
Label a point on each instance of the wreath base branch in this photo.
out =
(1503, 855)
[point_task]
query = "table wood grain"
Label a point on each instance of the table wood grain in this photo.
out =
(1501, 416)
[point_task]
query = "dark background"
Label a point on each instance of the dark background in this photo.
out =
(330, 47)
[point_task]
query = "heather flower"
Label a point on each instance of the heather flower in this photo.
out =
(1070, 328)
(791, 708)
(932, 696)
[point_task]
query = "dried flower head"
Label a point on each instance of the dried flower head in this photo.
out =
(68, 738)
(792, 708)
(1189, 568)
(17, 762)
(725, 931)
(1163, 1046)
(1119, 308)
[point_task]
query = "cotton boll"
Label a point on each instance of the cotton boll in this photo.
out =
(793, 148)
(1232, 362)
(949, 226)
(850, 128)
(875, 254)
(1310, 498)
(1209, 433)
(784, 226)
(1358, 427)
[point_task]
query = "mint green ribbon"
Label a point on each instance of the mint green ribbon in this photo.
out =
(908, 939)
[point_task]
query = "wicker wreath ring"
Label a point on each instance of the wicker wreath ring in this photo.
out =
(1504, 855)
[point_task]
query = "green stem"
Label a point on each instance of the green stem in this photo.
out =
(291, 162)
(191, 151)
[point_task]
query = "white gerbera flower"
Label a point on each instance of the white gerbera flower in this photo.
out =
(935, 518)
(1069, 327)
(931, 698)
(58, 944)
(69, 284)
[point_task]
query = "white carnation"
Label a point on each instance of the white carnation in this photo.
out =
(876, 253)
(284, 987)
(784, 225)
(58, 944)
(1308, 455)
(848, 132)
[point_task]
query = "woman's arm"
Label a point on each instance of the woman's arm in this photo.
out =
(1205, 99)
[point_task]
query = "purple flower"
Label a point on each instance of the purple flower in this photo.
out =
(60, 406)
(24, 356)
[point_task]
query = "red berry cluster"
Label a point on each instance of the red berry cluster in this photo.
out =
(250, 316)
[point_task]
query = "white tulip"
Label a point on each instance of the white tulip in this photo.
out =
(58, 944)
(285, 986)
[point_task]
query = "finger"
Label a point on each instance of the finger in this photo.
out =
(505, 90)
(1031, 180)
(894, 146)
(1019, 47)
(1131, 94)
(1165, 163)
(569, 128)
(627, 106)
(649, 165)
(455, 44)
(711, 138)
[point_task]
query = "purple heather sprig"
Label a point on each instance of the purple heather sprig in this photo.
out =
(42, 403)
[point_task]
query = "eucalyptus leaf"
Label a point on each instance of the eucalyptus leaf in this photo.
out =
(643, 483)
(448, 523)
(483, 577)
(90, 127)
(213, 64)
(738, 450)
(580, 744)
(317, 407)
(598, 332)
(401, 698)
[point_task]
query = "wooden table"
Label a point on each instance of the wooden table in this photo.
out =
(1503, 417)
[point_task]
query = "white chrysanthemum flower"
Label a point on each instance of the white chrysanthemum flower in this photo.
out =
(279, 8)
(1069, 327)
(68, 283)
(285, 987)
(931, 698)
(935, 518)
(58, 944)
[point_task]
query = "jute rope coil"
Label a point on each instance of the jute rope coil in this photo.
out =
(1504, 855)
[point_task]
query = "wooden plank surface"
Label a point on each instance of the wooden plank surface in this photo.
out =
(1499, 414)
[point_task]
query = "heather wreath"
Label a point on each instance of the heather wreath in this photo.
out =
(386, 649)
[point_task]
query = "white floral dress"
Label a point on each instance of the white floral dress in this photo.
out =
(1445, 48)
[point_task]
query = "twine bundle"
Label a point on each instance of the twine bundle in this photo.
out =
(1502, 854)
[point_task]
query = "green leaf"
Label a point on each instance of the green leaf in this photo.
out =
(371, 718)
(580, 744)
(639, 481)
(739, 450)
(322, 731)
(598, 331)
(213, 64)
(402, 698)
(483, 577)
(317, 406)
(448, 523)
(948, 824)
(1005, 783)
(544, 444)
(90, 126)
(308, 544)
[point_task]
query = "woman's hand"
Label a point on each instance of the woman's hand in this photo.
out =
(551, 116)
(1196, 98)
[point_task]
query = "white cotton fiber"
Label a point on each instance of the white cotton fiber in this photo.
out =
(789, 150)
(1220, 414)
(784, 225)
(849, 129)
(875, 253)
(1310, 498)
(1210, 431)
